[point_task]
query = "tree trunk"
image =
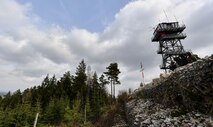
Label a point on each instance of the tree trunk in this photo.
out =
(114, 91)
(111, 91)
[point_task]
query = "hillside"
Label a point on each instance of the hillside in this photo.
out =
(183, 98)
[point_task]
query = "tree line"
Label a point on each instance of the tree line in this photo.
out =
(73, 100)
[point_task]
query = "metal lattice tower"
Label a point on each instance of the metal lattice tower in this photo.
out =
(169, 35)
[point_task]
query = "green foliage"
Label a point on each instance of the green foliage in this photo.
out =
(79, 85)
(113, 73)
(60, 102)
(86, 124)
(95, 102)
(73, 117)
(88, 109)
(19, 116)
(103, 92)
(55, 112)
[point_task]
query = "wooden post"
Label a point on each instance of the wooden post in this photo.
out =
(36, 119)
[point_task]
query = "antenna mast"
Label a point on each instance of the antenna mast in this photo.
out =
(166, 15)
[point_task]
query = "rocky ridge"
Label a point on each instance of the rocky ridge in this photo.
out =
(184, 98)
(146, 113)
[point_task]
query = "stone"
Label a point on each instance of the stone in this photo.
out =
(167, 120)
(135, 123)
(190, 124)
(147, 121)
(197, 115)
(136, 119)
(176, 123)
(156, 123)
(186, 121)
(185, 125)
(163, 125)
(200, 125)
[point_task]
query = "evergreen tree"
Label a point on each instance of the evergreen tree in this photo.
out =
(65, 86)
(73, 117)
(95, 102)
(5, 103)
(23, 115)
(103, 91)
(2, 117)
(112, 74)
(45, 82)
(16, 99)
(52, 86)
(89, 114)
(27, 96)
(79, 84)
(55, 112)
(43, 92)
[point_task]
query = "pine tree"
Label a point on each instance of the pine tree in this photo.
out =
(103, 91)
(2, 115)
(89, 114)
(43, 92)
(73, 117)
(5, 103)
(95, 96)
(112, 74)
(65, 88)
(15, 99)
(27, 96)
(55, 112)
(79, 84)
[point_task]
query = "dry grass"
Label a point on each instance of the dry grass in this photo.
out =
(107, 119)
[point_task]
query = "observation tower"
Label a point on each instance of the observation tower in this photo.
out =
(169, 36)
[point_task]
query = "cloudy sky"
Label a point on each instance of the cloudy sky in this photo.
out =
(40, 37)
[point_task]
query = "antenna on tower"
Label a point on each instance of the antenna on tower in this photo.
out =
(166, 15)
(176, 18)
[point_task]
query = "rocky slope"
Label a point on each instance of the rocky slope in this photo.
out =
(184, 98)
(146, 113)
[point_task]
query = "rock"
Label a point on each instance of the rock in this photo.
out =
(167, 120)
(163, 125)
(176, 123)
(197, 115)
(135, 123)
(156, 123)
(147, 121)
(200, 125)
(190, 124)
(185, 121)
(185, 125)
(136, 119)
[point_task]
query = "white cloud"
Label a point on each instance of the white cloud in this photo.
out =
(28, 52)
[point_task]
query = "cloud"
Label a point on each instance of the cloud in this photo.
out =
(28, 52)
